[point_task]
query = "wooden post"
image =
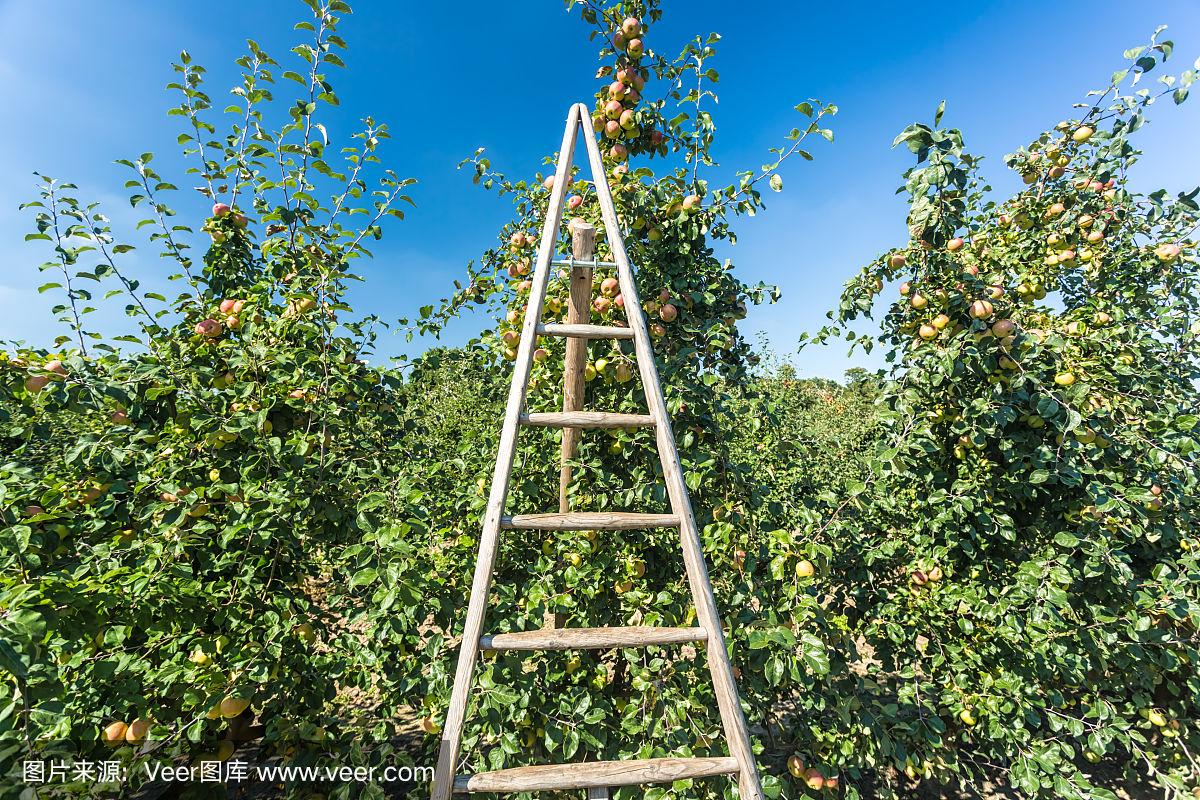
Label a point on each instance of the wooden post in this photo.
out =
(579, 312)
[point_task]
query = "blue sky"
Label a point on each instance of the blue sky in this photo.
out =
(81, 84)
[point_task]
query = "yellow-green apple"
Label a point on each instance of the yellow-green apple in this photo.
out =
(635, 48)
(609, 287)
(1082, 134)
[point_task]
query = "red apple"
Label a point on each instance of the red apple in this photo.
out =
(548, 184)
(955, 244)
(601, 304)
(609, 287)
(656, 138)
(631, 27)
(612, 128)
(613, 109)
(239, 219)
(208, 328)
(628, 119)
(657, 330)
(635, 48)
(220, 209)
(574, 202)
(616, 90)
(227, 306)
(619, 301)
(668, 313)
(618, 152)
(691, 202)
(813, 779)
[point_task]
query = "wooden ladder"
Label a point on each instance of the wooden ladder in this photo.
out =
(597, 776)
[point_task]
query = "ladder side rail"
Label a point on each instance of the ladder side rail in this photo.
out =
(724, 685)
(447, 762)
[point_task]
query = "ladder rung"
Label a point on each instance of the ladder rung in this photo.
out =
(595, 774)
(590, 521)
(591, 638)
(587, 419)
(585, 331)
(563, 262)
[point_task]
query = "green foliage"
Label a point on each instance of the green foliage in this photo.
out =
(1020, 568)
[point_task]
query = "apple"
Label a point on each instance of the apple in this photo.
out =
(1086, 221)
(220, 209)
(813, 779)
(664, 295)
(795, 765)
(691, 202)
(613, 109)
(34, 511)
(56, 366)
(635, 48)
(1056, 172)
(510, 338)
(114, 734)
(1156, 718)
(981, 309)
(613, 130)
(574, 202)
(927, 332)
(609, 287)
(239, 219)
(636, 567)
(306, 633)
(934, 574)
(232, 706)
(955, 244)
(1065, 379)
(832, 783)
(1095, 236)
(1003, 327)
(541, 354)
(1166, 253)
(919, 577)
(1055, 210)
(602, 304)
(1082, 134)
(618, 40)
(631, 27)
(905, 288)
(805, 569)
(616, 90)
(654, 234)
(35, 383)
(918, 302)
(524, 286)
(657, 330)
(940, 322)
(1103, 318)
(632, 97)
(118, 417)
(621, 587)
(137, 730)
(589, 372)
(208, 328)
(430, 726)
(668, 313)
(656, 138)
(897, 260)
(967, 717)
(626, 76)
(618, 152)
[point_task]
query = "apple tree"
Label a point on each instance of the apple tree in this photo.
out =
(1020, 577)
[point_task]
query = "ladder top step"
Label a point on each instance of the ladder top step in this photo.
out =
(591, 638)
(595, 774)
(589, 521)
(585, 331)
(587, 419)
